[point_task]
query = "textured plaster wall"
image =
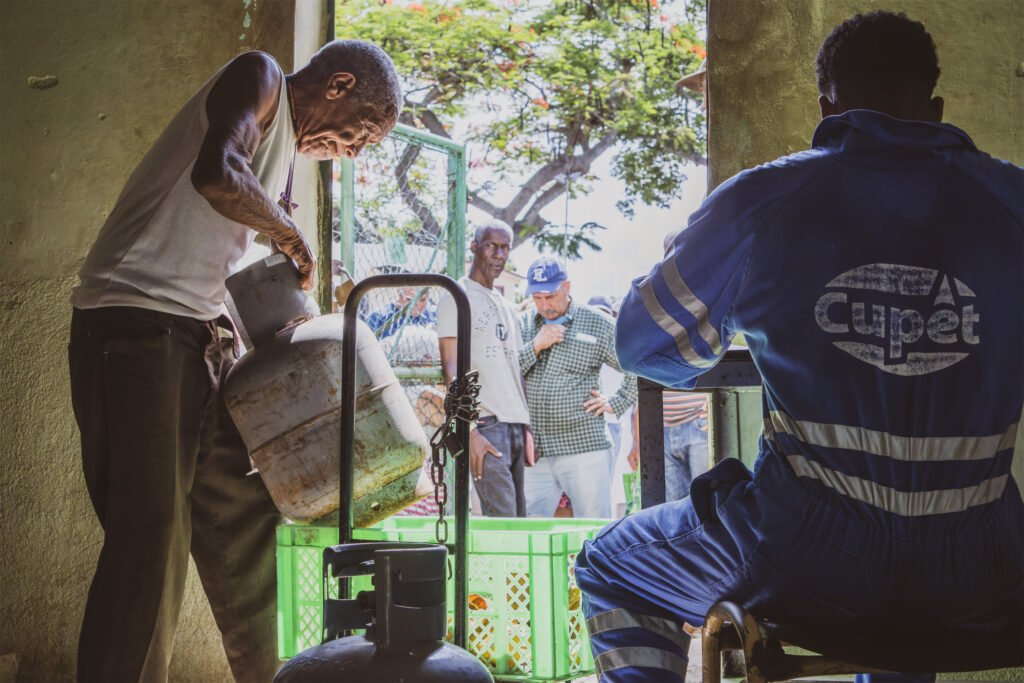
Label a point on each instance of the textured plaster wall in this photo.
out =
(763, 94)
(116, 72)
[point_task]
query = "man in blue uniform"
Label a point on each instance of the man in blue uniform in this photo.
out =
(877, 279)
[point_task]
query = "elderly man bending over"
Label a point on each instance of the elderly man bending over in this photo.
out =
(164, 465)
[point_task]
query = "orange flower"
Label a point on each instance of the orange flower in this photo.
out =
(418, 8)
(701, 52)
(541, 102)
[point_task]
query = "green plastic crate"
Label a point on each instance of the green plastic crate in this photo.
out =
(525, 621)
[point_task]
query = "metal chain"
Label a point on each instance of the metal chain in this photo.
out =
(460, 403)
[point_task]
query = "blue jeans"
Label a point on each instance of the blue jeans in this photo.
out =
(584, 477)
(501, 487)
(615, 434)
(686, 456)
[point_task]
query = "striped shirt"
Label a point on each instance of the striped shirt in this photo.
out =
(678, 407)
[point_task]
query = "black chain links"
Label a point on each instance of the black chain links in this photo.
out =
(460, 403)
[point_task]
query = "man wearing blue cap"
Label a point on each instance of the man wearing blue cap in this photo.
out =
(565, 344)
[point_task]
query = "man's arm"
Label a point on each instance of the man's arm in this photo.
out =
(449, 354)
(546, 337)
(675, 322)
(626, 395)
(240, 107)
(479, 446)
(527, 356)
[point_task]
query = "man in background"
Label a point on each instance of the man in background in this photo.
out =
(498, 442)
(392, 317)
(877, 280)
(165, 467)
(565, 346)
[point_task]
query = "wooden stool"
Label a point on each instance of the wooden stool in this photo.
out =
(762, 641)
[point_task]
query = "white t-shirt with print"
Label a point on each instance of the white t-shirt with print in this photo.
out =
(494, 351)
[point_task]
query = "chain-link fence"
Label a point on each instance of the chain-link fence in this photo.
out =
(400, 207)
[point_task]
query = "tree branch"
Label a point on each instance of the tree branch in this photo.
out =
(536, 185)
(409, 196)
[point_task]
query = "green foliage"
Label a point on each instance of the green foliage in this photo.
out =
(541, 88)
(568, 243)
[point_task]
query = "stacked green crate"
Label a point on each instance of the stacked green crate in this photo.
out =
(525, 619)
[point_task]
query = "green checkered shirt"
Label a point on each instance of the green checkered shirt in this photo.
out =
(559, 380)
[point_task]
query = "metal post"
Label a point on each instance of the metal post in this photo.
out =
(325, 241)
(457, 213)
(652, 442)
(348, 214)
(348, 404)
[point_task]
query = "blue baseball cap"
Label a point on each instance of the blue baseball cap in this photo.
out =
(544, 275)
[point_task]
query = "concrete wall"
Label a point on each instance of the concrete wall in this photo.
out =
(121, 70)
(763, 100)
(763, 94)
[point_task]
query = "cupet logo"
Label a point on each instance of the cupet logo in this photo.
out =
(904, 320)
(539, 275)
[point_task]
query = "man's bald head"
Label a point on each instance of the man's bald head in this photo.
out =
(346, 98)
(376, 81)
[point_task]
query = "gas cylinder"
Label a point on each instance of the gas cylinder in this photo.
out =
(284, 396)
(404, 617)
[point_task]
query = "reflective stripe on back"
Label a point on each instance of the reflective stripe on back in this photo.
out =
(906, 503)
(905, 448)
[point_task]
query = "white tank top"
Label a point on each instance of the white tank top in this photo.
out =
(164, 248)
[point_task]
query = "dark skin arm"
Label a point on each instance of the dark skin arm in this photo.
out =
(479, 446)
(240, 108)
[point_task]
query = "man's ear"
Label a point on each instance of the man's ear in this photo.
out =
(339, 84)
(473, 247)
(827, 107)
(935, 108)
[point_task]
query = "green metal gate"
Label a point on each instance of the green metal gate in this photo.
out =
(401, 207)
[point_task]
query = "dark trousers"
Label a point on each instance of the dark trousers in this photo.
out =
(166, 472)
(501, 487)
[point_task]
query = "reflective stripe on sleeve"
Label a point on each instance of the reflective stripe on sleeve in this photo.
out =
(619, 618)
(684, 295)
(906, 448)
(671, 326)
(906, 503)
(651, 657)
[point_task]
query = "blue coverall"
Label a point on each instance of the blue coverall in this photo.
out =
(878, 281)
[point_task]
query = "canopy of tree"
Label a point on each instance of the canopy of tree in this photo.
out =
(540, 89)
